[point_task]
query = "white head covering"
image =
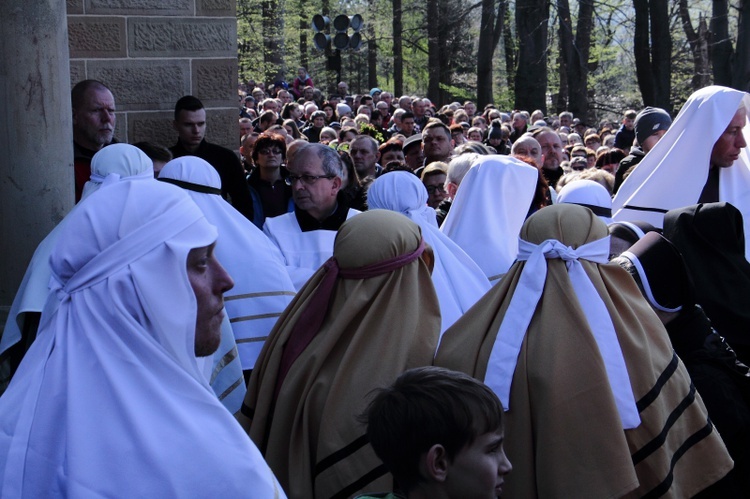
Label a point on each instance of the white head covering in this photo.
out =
(590, 194)
(262, 287)
(117, 161)
(110, 399)
(112, 163)
(489, 210)
(674, 172)
(458, 280)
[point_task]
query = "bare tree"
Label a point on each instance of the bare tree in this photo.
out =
(273, 40)
(721, 44)
(398, 52)
(491, 30)
(575, 53)
(532, 17)
(698, 41)
(653, 52)
(741, 65)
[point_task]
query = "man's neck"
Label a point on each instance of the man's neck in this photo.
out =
(427, 160)
(190, 148)
(367, 173)
(85, 144)
(321, 215)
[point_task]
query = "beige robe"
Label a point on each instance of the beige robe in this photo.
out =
(563, 432)
(374, 330)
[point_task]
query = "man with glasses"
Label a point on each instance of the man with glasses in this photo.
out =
(433, 178)
(305, 236)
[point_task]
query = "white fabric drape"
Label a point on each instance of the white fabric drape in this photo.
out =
(262, 287)
(458, 280)
(113, 163)
(489, 209)
(590, 194)
(504, 355)
(110, 400)
(674, 172)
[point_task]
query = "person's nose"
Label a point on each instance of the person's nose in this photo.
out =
(740, 143)
(224, 281)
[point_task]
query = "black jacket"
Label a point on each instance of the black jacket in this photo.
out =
(230, 170)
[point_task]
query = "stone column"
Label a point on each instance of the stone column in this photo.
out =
(36, 158)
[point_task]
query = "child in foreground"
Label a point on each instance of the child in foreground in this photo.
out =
(440, 434)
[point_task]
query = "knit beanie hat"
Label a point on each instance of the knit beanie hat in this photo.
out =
(343, 109)
(650, 121)
(495, 132)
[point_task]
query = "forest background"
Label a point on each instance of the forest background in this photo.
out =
(595, 58)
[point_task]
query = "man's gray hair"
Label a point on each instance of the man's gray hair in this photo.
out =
(459, 167)
(330, 159)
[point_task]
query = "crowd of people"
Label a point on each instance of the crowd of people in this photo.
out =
(383, 297)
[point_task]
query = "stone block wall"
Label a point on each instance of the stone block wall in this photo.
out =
(151, 53)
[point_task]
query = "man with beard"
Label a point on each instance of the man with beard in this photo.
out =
(551, 154)
(93, 126)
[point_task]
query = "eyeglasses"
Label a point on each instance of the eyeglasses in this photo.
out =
(306, 179)
(269, 150)
(432, 189)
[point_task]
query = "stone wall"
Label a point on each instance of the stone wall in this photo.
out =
(151, 53)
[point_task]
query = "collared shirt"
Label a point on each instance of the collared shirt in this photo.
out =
(332, 222)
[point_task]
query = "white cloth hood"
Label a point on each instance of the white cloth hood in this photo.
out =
(110, 399)
(674, 172)
(458, 280)
(113, 163)
(489, 209)
(122, 160)
(262, 287)
(589, 194)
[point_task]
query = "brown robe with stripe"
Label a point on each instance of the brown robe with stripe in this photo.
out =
(374, 330)
(563, 432)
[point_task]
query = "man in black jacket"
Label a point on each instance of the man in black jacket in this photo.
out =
(190, 124)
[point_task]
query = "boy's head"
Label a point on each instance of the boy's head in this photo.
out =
(437, 429)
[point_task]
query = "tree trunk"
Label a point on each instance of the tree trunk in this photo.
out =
(446, 11)
(721, 44)
(532, 17)
(273, 40)
(661, 53)
(698, 47)
(398, 62)
(741, 63)
(511, 56)
(578, 72)
(484, 54)
(565, 33)
(642, 53)
(303, 28)
(433, 49)
(372, 49)
(489, 36)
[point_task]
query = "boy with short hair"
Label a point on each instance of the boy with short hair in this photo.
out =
(440, 434)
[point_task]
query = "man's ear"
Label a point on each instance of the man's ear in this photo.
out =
(336, 184)
(452, 188)
(435, 463)
(174, 125)
(428, 257)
